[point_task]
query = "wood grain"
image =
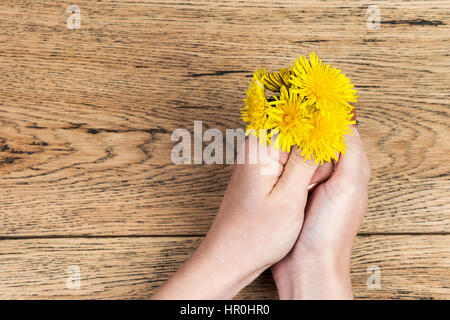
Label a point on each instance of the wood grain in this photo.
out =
(86, 117)
(133, 268)
(87, 114)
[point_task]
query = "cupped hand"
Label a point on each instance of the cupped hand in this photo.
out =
(318, 267)
(258, 223)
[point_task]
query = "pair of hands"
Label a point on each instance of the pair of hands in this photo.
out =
(301, 220)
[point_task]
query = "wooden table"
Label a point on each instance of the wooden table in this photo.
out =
(88, 187)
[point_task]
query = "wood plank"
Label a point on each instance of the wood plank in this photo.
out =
(412, 267)
(86, 115)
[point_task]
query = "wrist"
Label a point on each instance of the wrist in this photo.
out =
(331, 282)
(210, 273)
(222, 272)
(314, 278)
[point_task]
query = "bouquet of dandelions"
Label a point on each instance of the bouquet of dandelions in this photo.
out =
(310, 108)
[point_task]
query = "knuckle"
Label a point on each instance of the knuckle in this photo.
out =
(300, 160)
(346, 185)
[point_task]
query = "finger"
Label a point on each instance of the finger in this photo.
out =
(353, 165)
(322, 173)
(296, 176)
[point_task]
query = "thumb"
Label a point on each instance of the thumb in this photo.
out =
(296, 176)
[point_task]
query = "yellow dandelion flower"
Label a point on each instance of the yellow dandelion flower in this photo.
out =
(256, 103)
(312, 110)
(275, 80)
(325, 137)
(289, 120)
(322, 85)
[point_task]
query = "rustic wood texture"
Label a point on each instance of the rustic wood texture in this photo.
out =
(133, 268)
(86, 117)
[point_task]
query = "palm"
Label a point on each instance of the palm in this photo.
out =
(332, 218)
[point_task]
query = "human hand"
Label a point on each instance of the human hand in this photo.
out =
(258, 223)
(318, 267)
